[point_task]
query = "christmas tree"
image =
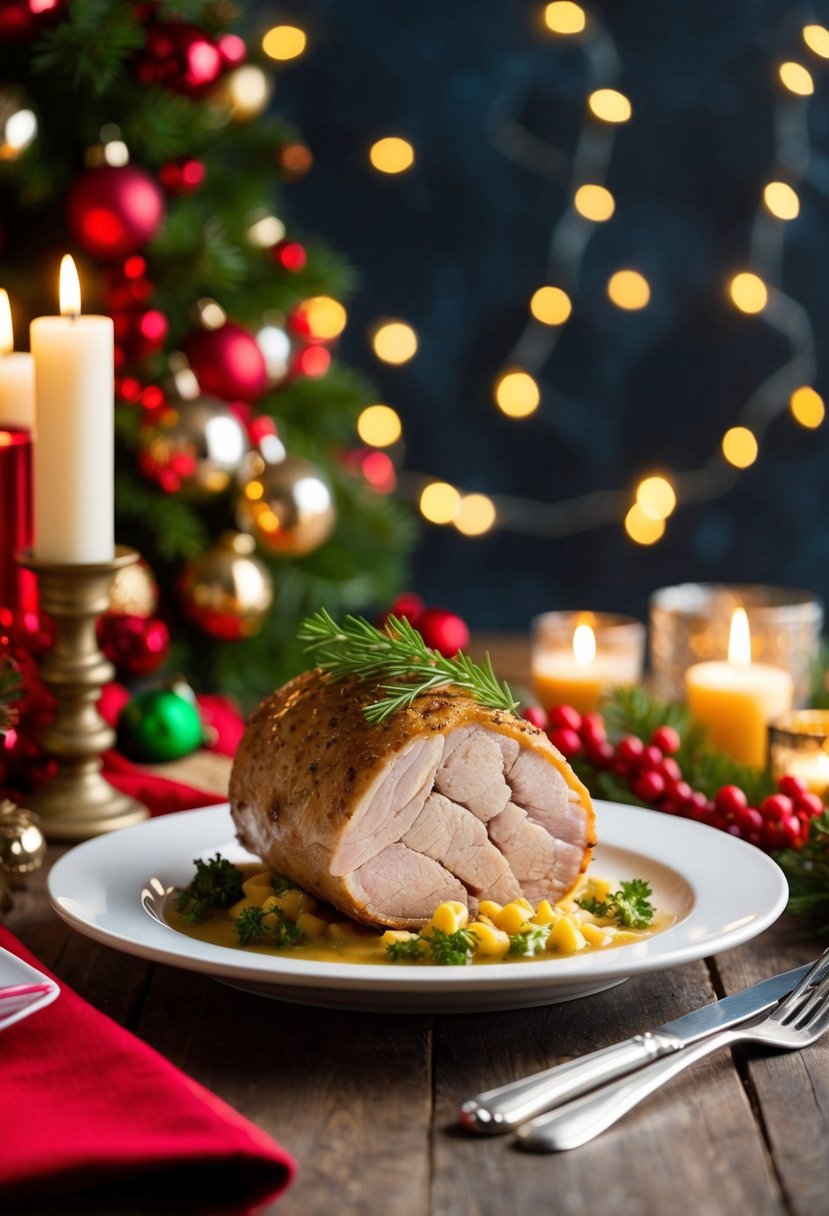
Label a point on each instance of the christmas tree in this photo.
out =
(136, 137)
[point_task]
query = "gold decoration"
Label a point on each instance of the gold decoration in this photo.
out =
(193, 447)
(22, 843)
(134, 591)
(286, 504)
(229, 590)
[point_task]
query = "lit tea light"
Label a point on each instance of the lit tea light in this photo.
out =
(578, 656)
(735, 700)
(799, 747)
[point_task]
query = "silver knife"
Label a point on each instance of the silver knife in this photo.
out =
(502, 1109)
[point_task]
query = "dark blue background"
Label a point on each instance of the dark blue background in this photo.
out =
(458, 245)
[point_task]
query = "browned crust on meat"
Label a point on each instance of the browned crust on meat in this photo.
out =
(308, 756)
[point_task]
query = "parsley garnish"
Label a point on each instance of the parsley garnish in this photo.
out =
(629, 906)
(407, 951)
(217, 884)
(254, 924)
(530, 942)
(446, 949)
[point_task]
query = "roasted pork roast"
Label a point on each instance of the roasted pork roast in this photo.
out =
(445, 799)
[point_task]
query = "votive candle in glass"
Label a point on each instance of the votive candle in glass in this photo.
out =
(799, 747)
(578, 656)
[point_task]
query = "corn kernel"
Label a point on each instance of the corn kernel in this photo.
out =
(565, 937)
(396, 935)
(450, 916)
(311, 926)
(490, 909)
(492, 942)
(545, 913)
(511, 918)
(595, 935)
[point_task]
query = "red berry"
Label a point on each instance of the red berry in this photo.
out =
(648, 786)
(777, 806)
(620, 768)
(749, 820)
(679, 793)
(536, 715)
(791, 830)
(666, 739)
(810, 803)
(592, 729)
(792, 787)
(564, 717)
(629, 750)
(730, 799)
(601, 754)
(669, 769)
(567, 741)
(651, 757)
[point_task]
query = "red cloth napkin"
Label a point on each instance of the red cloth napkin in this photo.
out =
(83, 1103)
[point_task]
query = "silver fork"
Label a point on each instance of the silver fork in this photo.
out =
(796, 1022)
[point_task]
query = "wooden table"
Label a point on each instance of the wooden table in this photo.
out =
(367, 1102)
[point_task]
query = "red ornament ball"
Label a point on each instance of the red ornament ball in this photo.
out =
(136, 645)
(182, 57)
(443, 631)
(113, 211)
(23, 20)
(227, 362)
(182, 176)
(140, 331)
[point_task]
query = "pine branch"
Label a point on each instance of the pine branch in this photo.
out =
(91, 45)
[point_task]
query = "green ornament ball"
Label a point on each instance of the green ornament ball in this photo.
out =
(159, 725)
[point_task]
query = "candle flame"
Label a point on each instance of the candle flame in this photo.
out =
(739, 639)
(70, 288)
(584, 645)
(6, 329)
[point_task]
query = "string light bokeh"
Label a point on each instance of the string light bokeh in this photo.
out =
(520, 383)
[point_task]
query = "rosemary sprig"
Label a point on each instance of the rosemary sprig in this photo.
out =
(356, 648)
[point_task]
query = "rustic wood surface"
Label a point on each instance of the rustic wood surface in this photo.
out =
(366, 1102)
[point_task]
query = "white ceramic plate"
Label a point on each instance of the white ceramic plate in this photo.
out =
(720, 892)
(14, 973)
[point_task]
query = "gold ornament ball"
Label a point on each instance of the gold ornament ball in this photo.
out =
(194, 447)
(228, 591)
(134, 591)
(287, 505)
(22, 843)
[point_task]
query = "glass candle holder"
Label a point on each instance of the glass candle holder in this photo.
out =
(576, 656)
(799, 747)
(690, 624)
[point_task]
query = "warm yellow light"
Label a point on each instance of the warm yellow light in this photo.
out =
(551, 306)
(439, 502)
(475, 515)
(739, 639)
(641, 528)
(325, 316)
(594, 203)
(807, 407)
(70, 288)
(517, 394)
(379, 426)
(629, 289)
(6, 327)
(564, 17)
(584, 645)
(781, 200)
(284, 42)
(655, 497)
(816, 38)
(266, 231)
(739, 447)
(610, 105)
(749, 292)
(796, 78)
(394, 342)
(248, 90)
(391, 155)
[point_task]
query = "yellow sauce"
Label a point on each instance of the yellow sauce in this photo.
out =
(338, 940)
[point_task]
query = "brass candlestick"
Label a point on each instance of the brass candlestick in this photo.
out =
(77, 802)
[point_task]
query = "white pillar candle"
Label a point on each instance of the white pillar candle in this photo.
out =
(17, 376)
(74, 391)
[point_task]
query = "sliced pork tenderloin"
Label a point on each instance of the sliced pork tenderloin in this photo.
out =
(446, 799)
